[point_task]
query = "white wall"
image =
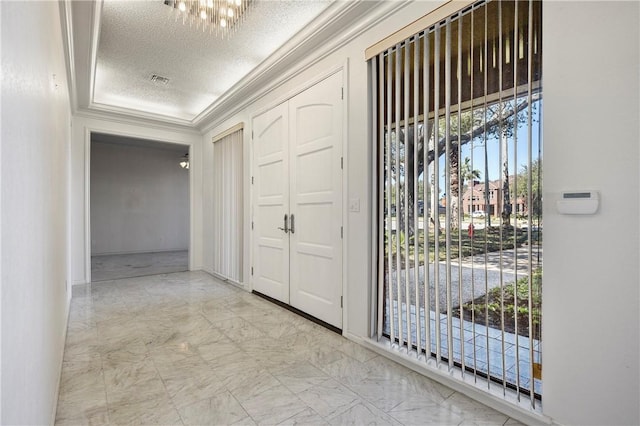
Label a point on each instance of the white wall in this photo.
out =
(35, 149)
(80, 177)
(590, 307)
(139, 199)
(356, 152)
(590, 293)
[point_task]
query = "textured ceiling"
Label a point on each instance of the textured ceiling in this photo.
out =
(142, 38)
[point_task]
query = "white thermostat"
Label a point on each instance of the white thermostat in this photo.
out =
(578, 202)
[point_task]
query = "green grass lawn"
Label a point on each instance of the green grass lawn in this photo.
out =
(501, 306)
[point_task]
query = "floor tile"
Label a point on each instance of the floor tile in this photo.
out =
(185, 348)
(136, 381)
(306, 417)
(363, 414)
(148, 412)
(299, 377)
(329, 398)
(428, 413)
(84, 412)
(238, 329)
(273, 406)
(116, 266)
(472, 412)
(82, 381)
(186, 388)
(220, 409)
(252, 385)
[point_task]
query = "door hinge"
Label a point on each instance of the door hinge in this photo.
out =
(341, 301)
(342, 163)
(251, 225)
(252, 271)
(342, 93)
(252, 135)
(251, 180)
(341, 232)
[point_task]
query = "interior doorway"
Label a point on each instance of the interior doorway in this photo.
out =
(139, 207)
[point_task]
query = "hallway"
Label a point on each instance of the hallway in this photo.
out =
(185, 348)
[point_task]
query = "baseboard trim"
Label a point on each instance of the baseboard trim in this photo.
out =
(507, 405)
(54, 410)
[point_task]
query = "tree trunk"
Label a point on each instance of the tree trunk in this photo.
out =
(455, 185)
(506, 196)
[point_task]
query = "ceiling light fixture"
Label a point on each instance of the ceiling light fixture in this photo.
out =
(221, 17)
(184, 161)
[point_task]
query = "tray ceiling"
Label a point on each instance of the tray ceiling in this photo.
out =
(115, 48)
(140, 39)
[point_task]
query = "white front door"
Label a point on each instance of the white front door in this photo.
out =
(271, 203)
(298, 176)
(315, 123)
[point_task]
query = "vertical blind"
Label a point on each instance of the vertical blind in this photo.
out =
(457, 120)
(227, 206)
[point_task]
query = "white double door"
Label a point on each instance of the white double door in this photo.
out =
(297, 201)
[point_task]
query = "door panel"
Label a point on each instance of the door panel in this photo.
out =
(271, 203)
(315, 123)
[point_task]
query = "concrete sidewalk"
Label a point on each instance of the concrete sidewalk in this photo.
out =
(469, 277)
(505, 259)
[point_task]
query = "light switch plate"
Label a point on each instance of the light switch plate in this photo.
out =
(354, 205)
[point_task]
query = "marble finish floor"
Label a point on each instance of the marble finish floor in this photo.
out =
(186, 349)
(117, 266)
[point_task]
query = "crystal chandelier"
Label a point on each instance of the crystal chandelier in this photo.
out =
(221, 17)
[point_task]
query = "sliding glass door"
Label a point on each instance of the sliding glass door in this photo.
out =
(458, 116)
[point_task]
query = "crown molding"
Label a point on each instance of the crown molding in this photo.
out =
(66, 24)
(137, 119)
(286, 54)
(329, 33)
(95, 43)
(143, 115)
(339, 24)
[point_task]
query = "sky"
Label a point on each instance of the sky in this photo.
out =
(493, 151)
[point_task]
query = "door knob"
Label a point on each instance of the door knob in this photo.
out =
(293, 224)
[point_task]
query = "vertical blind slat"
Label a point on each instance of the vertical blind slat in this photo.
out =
(379, 137)
(436, 188)
(447, 184)
(472, 187)
(514, 44)
(427, 200)
(227, 206)
(416, 218)
(399, 265)
(503, 159)
(392, 178)
(459, 200)
(486, 193)
(442, 93)
(405, 210)
(529, 196)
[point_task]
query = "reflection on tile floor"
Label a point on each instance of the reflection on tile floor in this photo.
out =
(184, 348)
